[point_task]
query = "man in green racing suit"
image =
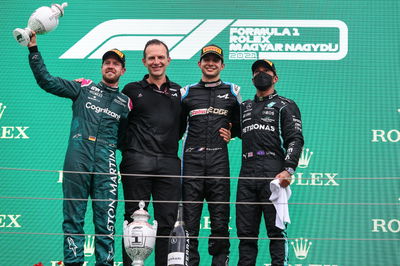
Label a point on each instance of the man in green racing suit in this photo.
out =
(97, 111)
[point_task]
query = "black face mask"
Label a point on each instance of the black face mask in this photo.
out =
(262, 81)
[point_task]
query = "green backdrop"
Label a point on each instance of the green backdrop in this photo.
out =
(339, 60)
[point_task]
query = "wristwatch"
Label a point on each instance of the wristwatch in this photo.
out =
(290, 170)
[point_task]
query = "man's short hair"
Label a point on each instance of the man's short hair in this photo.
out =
(156, 42)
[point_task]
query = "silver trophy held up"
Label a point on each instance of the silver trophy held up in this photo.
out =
(43, 20)
(139, 236)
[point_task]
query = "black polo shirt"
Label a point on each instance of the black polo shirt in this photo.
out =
(153, 125)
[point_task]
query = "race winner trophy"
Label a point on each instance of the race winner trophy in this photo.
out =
(139, 236)
(43, 20)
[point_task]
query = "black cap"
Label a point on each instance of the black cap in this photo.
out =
(116, 53)
(212, 49)
(264, 63)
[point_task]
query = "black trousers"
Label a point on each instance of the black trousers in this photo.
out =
(159, 187)
(198, 189)
(248, 216)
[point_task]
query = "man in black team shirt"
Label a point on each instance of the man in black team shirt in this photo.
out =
(149, 145)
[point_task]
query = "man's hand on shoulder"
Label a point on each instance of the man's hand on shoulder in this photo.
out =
(84, 82)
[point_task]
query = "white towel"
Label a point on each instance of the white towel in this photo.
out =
(280, 197)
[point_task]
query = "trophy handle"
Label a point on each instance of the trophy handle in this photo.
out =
(155, 225)
(59, 8)
(125, 225)
(23, 36)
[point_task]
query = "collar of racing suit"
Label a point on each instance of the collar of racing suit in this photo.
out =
(210, 84)
(268, 97)
(104, 86)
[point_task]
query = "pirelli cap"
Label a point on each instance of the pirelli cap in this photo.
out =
(212, 49)
(117, 54)
(264, 63)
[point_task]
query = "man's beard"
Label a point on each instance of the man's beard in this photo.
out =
(110, 81)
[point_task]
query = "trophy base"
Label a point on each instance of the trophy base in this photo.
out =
(137, 263)
(22, 36)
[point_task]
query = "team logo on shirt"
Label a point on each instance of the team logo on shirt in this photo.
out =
(258, 127)
(120, 101)
(249, 107)
(225, 96)
(209, 110)
(96, 91)
(268, 112)
(98, 109)
(267, 119)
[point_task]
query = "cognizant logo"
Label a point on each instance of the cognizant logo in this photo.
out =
(98, 109)
(248, 39)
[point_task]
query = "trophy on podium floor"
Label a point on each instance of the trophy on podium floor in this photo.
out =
(43, 20)
(139, 236)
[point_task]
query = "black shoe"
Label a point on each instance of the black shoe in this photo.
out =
(220, 260)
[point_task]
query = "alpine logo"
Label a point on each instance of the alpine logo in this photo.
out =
(248, 39)
(225, 96)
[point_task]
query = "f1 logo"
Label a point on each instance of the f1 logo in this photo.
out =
(195, 34)
(185, 37)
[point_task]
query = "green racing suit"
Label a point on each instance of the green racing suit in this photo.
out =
(97, 111)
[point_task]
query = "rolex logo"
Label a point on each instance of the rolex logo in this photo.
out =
(301, 248)
(11, 132)
(386, 135)
(305, 158)
(2, 108)
(88, 247)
